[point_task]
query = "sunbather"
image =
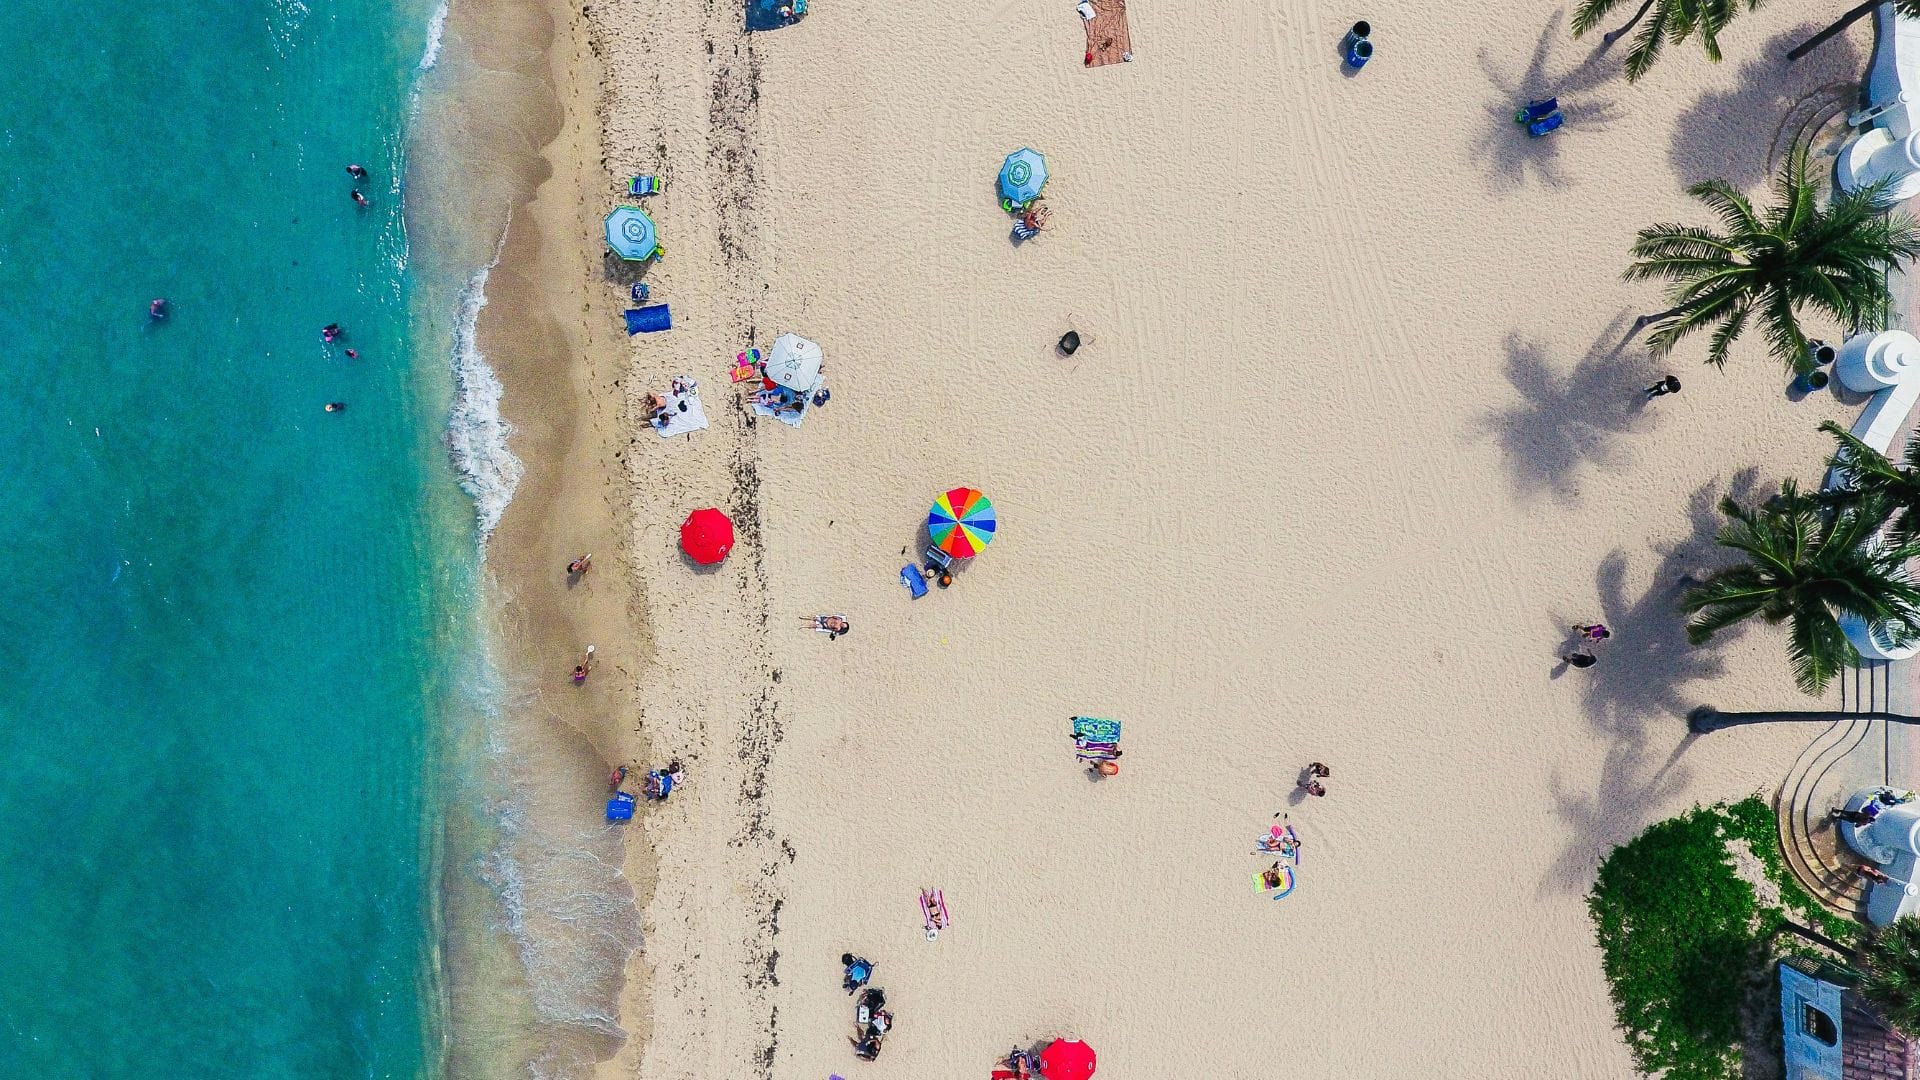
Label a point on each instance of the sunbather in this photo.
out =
(831, 625)
(1036, 216)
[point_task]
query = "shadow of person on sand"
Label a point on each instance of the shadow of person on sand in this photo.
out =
(1637, 697)
(1511, 156)
(1564, 420)
(1741, 135)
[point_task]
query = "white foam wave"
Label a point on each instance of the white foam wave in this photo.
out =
(435, 27)
(476, 432)
(571, 915)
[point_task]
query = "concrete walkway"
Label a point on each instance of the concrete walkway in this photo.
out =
(1842, 758)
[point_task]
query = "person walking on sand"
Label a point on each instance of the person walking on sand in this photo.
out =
(1579, 659)
(581, 565)
(1668, 385)
(581, 669)
(1596, 632)
(1311, 776)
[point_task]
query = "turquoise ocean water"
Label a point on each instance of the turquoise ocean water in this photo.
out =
(231, 623)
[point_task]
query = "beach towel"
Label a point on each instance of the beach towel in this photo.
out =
(1286, 883)
(1108, 40)
(1094, 730)
(648, 320)
(792, 417)
(681, 423)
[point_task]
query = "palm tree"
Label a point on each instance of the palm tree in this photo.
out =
(1806, 568)
(1889, 964)
(1870, 475)
(1673, 22)
(1908, 8)
(1799, 254)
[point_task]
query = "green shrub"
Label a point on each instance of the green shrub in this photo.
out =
(1687, 946)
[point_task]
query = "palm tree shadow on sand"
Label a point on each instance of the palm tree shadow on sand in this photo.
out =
(1512, 158)
(1741, 135)
(1564, 421)
(1636, 698)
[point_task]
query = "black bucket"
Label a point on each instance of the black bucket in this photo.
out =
(1069, 343)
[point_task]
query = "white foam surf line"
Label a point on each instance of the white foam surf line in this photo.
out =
(435, 27)
(476, 432)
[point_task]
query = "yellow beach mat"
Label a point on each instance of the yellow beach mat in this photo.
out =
(1108, 41)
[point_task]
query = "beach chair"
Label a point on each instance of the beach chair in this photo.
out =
(645, 185)
(939, 560)
(1536, 110)
(1545, 125)
(1023, 232)
(641, 290)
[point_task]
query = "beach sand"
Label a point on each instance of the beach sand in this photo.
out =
(1351, 445)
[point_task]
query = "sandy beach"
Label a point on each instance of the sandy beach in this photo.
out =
(1352, 442)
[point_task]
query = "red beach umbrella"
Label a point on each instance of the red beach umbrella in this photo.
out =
(1066, 1059)
(707, 536)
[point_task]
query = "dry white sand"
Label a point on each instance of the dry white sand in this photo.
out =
(1350, 448)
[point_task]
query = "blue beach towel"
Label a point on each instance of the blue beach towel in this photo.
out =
(647, 320)
(910, 577)
(1091, 729)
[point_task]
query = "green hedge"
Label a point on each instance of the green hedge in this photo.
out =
(1687, 947)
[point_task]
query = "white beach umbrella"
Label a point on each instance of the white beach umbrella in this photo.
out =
(794, 362)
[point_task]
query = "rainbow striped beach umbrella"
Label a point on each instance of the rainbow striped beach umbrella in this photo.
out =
(961, 522)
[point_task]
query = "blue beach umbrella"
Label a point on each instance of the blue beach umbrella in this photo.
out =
(1022, 177)
(630, 234)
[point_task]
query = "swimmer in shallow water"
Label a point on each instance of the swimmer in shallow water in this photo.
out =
(336, 406)
(360, 200)
(157, 309)
(357, 172)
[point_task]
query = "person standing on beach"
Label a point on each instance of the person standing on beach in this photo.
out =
(1595, 632)
(1668, 385)
(581, 565)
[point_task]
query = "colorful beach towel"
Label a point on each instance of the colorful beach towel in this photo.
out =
(1088, 729)
(1108, 40)
(1286, 883)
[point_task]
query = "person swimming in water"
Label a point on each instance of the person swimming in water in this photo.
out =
(357, 172)
(157, 309)
(351, 355)
(360, 200)
(330, 332)
(336, 406)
